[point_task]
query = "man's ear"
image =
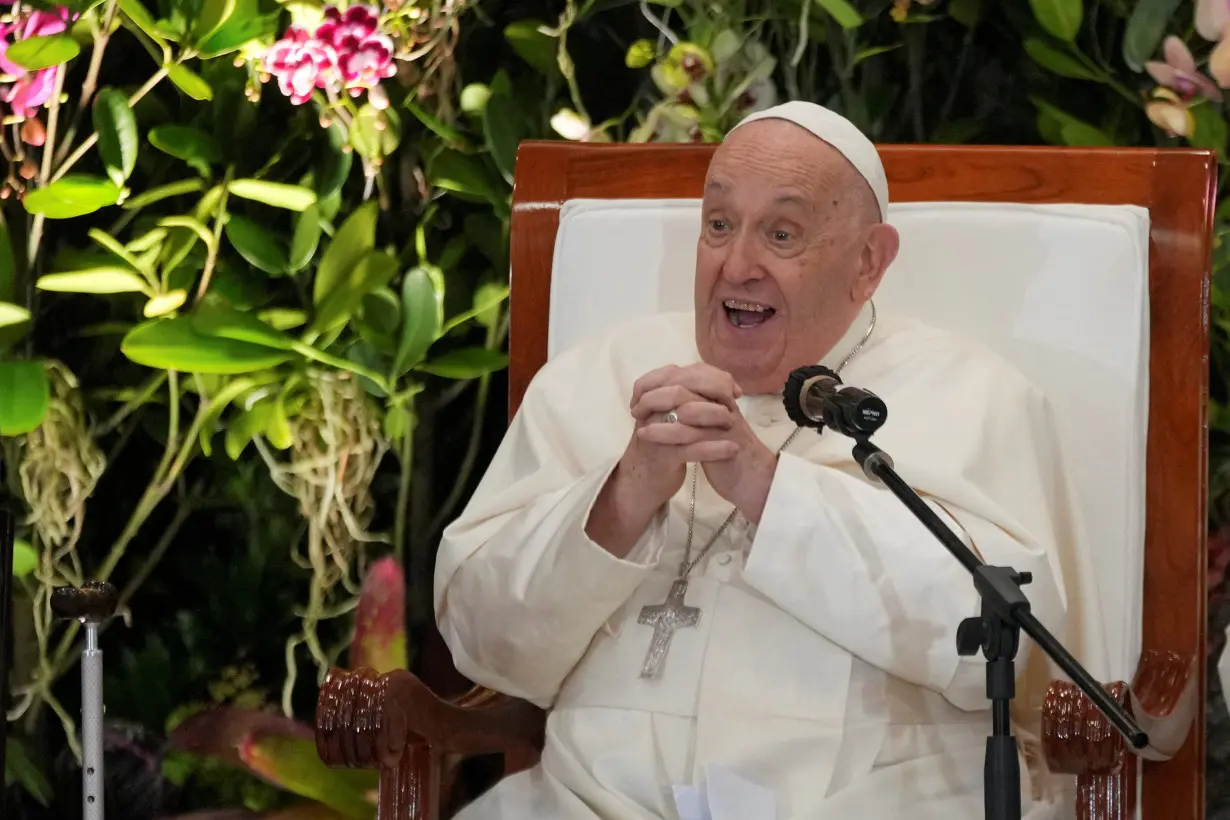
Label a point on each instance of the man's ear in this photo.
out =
(879, 250)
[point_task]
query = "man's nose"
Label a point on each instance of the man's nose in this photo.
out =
(743, 262)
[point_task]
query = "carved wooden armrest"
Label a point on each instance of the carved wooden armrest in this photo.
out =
(1078, 739)
(394, 723)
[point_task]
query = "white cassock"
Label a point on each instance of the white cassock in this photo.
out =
(824, 664)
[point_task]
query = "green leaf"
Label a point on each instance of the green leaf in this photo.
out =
(251, 422)
(277, 194)
(486, 299)
(374, 271)
(422, 305)
(463, 174)
(117, 134)
(845, 14)
(1057, 62)
(140, 16)
(1060, 127)
(1210, 130)
(467, 363)
(11, 314)
(212, 14)
(25, 558)
(534, 45)
(174, 344)
(246, 25)
(283, 318)
(19, 766)
(37, 53)
(1145, 29)
(305, 239)
(294, 764)
(375, 134)
(355, 239)
(72, 196)
(94, 280)
(437, 126)
(218, 319)
(255, 244)
(189, 82)
(192, 145)
(1079, 134)
(1061, 18)
(220, 400)
(152, 195)
(24, 394)
(502, 126)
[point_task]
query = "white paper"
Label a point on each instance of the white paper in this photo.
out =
(725, 796)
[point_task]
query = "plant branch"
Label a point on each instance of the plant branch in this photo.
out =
(90, 84)
(211, 253)
(405, 457)
(53, 120)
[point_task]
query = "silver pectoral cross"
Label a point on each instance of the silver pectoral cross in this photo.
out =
(665, 618)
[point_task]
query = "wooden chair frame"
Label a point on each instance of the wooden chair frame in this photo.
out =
(395, 723)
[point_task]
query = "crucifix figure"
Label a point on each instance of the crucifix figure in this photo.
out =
(665, 618)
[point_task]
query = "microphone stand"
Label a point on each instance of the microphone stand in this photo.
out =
(1005, 612)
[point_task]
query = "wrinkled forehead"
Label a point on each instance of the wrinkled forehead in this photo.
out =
(779, 162)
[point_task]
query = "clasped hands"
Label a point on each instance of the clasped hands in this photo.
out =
(710, 430)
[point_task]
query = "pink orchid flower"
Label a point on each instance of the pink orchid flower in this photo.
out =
(1211, 18)
(346, 52)
(301, 64)
(1179, 73)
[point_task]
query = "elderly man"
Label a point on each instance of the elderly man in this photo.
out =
(697, 588)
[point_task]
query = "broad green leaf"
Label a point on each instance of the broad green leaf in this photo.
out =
(1079, 134)
(192, 145)
(1057, 62)
(19, 766)
(468, 363)
(436, 125)
(218, 319)
(277, 194)
(37, 53)
(1145, 29)
(845, 14)
(1061, 18)
(375, 134)
(162, 192)
(957, 132)
(189, 82)
(373, 271)
(331, 167)
(294, 764)
(24, 394)
(164, 303)
(25, 558)
(117, 134)
(366, 355)
(72, 196)
(11, 314)
(140, 16)
(379, 641)
(212, 14)
(1061, 128)
(533, 45)
(486, 298)
(355, 239)
(1210, 130)
(422, 301)
(174, 344)
(95, 280)
(502, 126)
(868, 53)
(245, 25)
(305, 240)
(463, 174)
(258, 246)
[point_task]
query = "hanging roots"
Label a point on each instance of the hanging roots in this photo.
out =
(60, 465)
(337, 445)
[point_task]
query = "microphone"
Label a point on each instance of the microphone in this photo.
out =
(815, 397)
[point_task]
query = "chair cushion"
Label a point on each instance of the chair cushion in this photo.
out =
(1061, 291)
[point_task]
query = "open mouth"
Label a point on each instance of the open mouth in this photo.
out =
(747, 314)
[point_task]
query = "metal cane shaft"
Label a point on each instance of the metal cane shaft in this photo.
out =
(92, 725)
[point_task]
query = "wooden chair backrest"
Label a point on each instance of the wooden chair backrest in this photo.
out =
(1177, 186)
